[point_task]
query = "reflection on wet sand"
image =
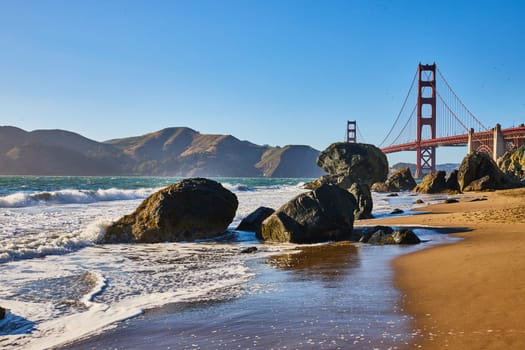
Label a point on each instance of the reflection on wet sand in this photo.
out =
(326, 262)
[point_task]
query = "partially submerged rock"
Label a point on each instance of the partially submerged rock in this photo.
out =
(249, 250)
(381, 235)
(191, 209)
(254, 220)
(2, 313)
(324, 214)
(405, 236)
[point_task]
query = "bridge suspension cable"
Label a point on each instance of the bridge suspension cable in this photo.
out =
(361, 137)
(458, 101)
(408, 124)
(402, 109)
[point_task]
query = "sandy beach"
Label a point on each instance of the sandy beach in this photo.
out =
(471, 294)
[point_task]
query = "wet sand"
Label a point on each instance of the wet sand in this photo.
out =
(331, 296)
(471, 294)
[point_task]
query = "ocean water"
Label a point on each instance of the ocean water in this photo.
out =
(60, 285)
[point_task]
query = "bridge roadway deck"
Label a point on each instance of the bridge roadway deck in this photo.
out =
(457, 140)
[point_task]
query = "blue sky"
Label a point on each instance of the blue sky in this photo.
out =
(271, 72)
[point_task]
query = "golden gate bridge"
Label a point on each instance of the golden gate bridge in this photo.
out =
(439, 118)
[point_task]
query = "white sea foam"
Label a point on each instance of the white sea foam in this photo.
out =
(71, 196)
(81, 287)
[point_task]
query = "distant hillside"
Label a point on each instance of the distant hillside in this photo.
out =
(177, 151)
(290, 161)
(56, 152)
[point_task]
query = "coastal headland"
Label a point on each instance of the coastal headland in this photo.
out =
(470, 294)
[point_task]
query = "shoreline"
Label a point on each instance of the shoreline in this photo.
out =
(470, 294)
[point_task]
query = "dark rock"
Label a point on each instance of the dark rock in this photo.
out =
(401, 180)
(366, 232)
(254, 220)
(339, 180)
(477, 199)
(512, 163)
(249, 250)
(452, 184)
(419, 201)
(191, 209)
(405, 236)
(381, 238)
(397, 211)
(379, 187)
(359, 162)
(432, 183)
(324, 214)
(478, 172)
(2, 313)
(363, 197)
(451, 200)
(392, 195)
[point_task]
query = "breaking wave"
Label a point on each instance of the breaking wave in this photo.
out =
(70, 196)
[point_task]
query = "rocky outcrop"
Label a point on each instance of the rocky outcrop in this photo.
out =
(324, 214)
(191, 209)
(381, 235)
(478, 172)
(452, 184)
(379, 187)
(254, 220)
(512, 163)
(363, 197)
(358, 162)
(363, 234)
(432, 183)
(405, 236)
(401, 180)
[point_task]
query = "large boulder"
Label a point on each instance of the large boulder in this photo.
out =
(512, 163)
(452, 184)
(191, 209)
(363, 197)
(432, 183)
(324, 214)
(401, 180)
(358, 162)
(253, 221)
(481, 170)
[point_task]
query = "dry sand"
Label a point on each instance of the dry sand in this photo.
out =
(471, 294)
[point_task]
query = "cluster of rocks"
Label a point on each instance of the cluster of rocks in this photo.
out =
(200, 208)
(477, 172)
(353, 167)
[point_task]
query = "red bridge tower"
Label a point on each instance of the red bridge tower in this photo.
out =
(426, 118)
(351, 128)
